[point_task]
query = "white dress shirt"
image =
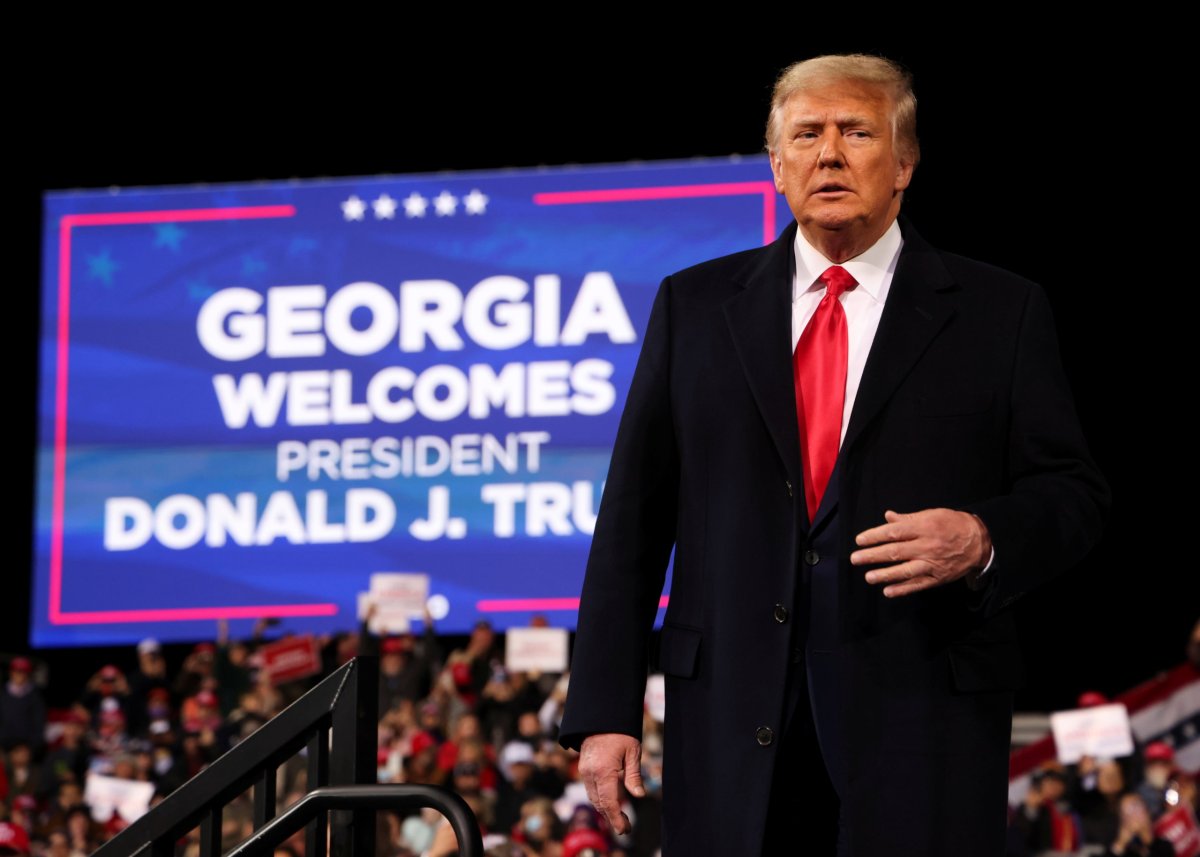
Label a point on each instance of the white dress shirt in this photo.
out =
(873, 269)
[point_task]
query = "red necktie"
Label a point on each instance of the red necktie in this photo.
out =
(819, 368)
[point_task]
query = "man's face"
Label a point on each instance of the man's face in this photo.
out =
(836, 161)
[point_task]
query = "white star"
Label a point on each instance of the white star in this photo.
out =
(353, 208)
(445, 203)
(415, 205)
(385, 207)
(475, 202)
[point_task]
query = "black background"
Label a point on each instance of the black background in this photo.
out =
(1037, 158)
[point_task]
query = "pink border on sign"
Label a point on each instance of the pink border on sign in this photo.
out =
(504, 605)
(683, 191)
(94, 617)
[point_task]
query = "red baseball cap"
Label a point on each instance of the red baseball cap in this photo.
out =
(395, 645)
(584, 840)
(20, 664)
(206, 698)
(1159, 751)
(110, 672)
(1090, 698)
(421, 741)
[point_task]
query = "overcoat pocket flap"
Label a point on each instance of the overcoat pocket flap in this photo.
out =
(987, 666)
(677, 650)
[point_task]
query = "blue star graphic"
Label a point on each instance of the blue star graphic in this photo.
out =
(198, 290)
(101, 267)
(168, 235)
(252, 265)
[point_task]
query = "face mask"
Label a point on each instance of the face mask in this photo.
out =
(534, 823)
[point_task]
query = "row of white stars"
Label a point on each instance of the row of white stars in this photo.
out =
(445, 204)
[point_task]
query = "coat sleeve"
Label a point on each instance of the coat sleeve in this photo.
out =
(631, 545)
(1057, 498)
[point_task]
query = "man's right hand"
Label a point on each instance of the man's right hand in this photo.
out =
(605, 759)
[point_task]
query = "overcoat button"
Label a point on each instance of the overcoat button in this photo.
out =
(781, 614)
(764, 735)
(811, 557)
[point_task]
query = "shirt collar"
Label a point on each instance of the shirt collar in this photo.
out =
(872, 268)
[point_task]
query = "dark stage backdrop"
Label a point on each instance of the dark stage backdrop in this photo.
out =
(1030, 160)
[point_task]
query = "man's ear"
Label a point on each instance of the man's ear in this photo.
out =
(904, 174)
(776, 170)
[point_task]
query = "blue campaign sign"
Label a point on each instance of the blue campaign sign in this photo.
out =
(254, 397)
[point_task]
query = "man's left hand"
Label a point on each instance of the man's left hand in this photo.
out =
(927, 548)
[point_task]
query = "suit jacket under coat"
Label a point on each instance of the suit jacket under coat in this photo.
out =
(963, 403)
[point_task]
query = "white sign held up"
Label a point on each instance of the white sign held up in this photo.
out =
(1101, 731)
(536, 650)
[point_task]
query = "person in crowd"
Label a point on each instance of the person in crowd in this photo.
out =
(467, 729)
(408, 666)
(231, 664)
(24, 777)
(1136, 837)
(197, 671)
(1159, 761)
(24, 812)
(148, 685)
(202, 713)
(551, 711)
(82, 831)
(1099, 786)
(67, 760)
(431, 719)
(516, 786)
(68, 796)
(539, 828)
(1046, 821)
(472, 667)
(58, 844)
(503, 699)
(420, 765)
(22, 709)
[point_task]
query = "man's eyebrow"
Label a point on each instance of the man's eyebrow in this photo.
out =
(815, 120)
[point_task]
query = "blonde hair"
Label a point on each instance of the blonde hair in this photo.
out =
(877, 71)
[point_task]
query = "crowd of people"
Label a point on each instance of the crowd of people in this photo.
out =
(453, 718)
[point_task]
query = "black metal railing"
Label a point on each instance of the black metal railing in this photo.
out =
(393, 797)
(336, 724)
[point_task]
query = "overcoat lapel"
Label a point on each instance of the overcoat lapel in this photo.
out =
(915, 312)
(759, 316)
